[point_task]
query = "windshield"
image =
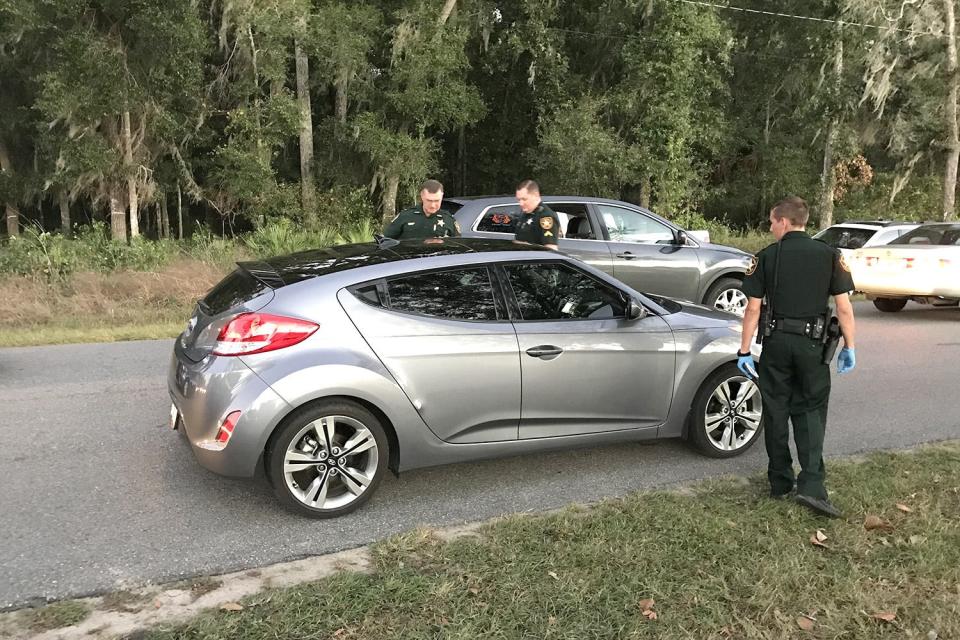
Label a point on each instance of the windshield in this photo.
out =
(948, 234)
(845, 237)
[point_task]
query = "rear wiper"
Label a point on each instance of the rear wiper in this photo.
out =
(384, 242)
(204, 307)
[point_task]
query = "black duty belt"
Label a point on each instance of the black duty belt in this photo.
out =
(810, 327)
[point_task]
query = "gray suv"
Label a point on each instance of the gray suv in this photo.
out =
(636, 246)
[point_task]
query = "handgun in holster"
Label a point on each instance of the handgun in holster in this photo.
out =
(765, 324)
(831, 339)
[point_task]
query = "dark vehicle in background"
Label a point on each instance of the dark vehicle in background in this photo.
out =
(634, 245)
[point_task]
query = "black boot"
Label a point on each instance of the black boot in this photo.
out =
(820, 506)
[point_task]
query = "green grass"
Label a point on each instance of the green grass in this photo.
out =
(721, 561)
(56, 615)
(55, 334)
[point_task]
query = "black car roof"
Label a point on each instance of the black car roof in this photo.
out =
(295, 267)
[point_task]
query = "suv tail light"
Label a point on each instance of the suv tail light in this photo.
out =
(260, 332)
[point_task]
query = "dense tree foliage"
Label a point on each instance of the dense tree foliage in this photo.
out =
(151, 115)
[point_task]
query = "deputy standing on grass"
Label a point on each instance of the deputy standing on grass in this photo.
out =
(427, 220)
(793, 379)
(537, 224)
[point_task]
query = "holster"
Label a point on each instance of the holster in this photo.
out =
(831, 339)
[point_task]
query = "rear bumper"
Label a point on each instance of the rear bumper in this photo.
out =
(906, 285)
(205, 393)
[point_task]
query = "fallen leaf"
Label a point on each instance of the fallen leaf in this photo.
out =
(339, 633)
(805, 623)
(646, 603)
(232, 606)
(551, 620)
(553, 575)
(650, 615)
(821, 536)
(886, 616)
(473, 590)
(817, 542)
(916, 539)
(875, 522)
(904, 508)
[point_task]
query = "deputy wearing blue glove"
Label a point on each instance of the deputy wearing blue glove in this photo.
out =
(798, 275)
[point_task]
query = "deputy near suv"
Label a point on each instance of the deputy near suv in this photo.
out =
(537, 224)
(425, 221)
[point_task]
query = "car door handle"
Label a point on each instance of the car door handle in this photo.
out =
(544, 351)
(626, 255)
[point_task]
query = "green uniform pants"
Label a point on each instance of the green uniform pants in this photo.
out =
(795, 385)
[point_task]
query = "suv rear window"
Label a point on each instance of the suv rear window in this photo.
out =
(846, 237)
(235, 289)
(933, 234)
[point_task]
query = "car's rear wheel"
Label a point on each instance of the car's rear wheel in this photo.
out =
(327, 459)
(727, 415)
(726, 294)
(890, 305)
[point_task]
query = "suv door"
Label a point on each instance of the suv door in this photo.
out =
(581, 236)
(445, 337)
(646, 256)
(585, 367)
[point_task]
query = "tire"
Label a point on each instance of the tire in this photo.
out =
(890, 305)
(310, 474)
(719, 434)
(726, 294)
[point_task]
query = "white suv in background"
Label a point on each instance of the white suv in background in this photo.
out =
(857, 234)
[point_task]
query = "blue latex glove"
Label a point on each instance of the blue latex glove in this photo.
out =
(745, 364)
(846, 361)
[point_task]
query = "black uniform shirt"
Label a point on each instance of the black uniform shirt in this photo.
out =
(414, 224)
(540, 226)
(810, 272)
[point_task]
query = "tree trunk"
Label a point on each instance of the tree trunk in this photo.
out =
(64, 199)
(462, 159)
(341, 84)
(131, 176)
(118, 223)
(762, 213)
(953, 138)
(828, 177)
(645, 188)
(448, 8)
(164, 226)
(388, 199)
(179, 212)
(12, 213)
(261, 151)
(307, 195)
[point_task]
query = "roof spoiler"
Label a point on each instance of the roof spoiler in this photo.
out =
(384, 242)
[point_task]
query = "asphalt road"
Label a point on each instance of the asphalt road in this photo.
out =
(96, 493)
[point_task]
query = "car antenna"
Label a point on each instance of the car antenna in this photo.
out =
(384, 242)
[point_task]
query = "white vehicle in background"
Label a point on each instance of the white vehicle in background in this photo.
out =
(922, 265)
(857, 234)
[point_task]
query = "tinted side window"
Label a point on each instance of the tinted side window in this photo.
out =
(463, 294)
(551, 291)
(502, 219)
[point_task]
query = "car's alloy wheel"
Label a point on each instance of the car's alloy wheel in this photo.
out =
(327, 461)
(726, 295)
(727, 414)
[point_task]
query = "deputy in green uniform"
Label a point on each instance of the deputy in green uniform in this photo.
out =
(537, 223)
(793, 380)
(425, 221)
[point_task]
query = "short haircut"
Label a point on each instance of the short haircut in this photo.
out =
(793, 209)
(530, 186)
(431, 186)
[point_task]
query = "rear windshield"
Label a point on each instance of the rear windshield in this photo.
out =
(948, 234)
(845, 237)
(235, 289)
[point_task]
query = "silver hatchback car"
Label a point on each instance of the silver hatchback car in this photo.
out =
(330, 366)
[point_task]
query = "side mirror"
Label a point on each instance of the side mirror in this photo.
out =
(681, 237)
(635, 310)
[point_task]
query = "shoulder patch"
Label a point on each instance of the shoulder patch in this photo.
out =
(754, 261)
(546, 223)
(843, 263)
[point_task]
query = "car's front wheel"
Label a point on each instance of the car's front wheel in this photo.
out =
(727, 414)
(890, 305)
(726, 294)
(327, 459)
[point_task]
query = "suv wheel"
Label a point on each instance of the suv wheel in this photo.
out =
(890, 305)
(726, 294)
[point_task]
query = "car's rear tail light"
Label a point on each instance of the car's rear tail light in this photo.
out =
(259, 332)
(871, 260)
(226, 429)
(909, 263)
(944, 263)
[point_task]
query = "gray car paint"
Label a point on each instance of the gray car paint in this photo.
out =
(685, 272)
(338, 361)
